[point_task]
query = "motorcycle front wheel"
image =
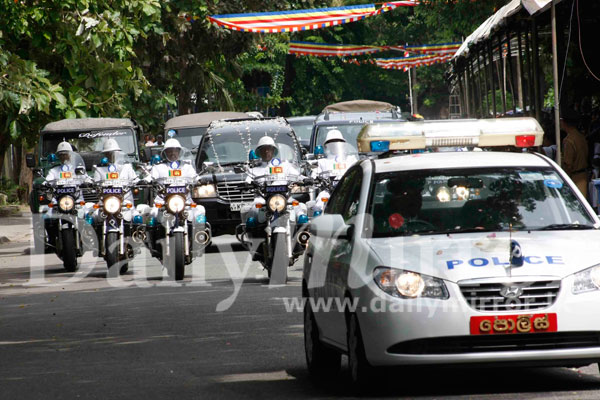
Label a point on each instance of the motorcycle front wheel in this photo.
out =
(280, 261)
(69, 250)
(111, 251)
(175, 261)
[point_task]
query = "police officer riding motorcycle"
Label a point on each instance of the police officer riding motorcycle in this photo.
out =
(332, 164)
(177, 230)
(63, 220)
(115, 212)
(273, 227)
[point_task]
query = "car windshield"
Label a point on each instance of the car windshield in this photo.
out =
(225, 145)
(89, 144)
(303, 129)
(472, 200)
(189, 137)
(350, 133)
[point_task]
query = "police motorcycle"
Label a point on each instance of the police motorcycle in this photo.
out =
(114, 217)
(64, 215)
(273, 228)
(176, 230)
(332, 162)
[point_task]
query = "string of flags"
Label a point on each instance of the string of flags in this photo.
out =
(406, 63)
(302, 20)
(340, 50)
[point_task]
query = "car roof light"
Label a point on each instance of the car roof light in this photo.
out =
(521, 132)
(380, 146)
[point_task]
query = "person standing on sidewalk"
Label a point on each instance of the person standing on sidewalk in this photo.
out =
(575, 151)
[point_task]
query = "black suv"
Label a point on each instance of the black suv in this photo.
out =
(221, 160)
(349, 117)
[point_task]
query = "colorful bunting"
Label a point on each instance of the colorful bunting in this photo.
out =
(330, 50)
(406, 63)
(300, 20)
(442, 48)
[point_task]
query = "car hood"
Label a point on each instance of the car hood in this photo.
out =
(224, 174)
(486, 255)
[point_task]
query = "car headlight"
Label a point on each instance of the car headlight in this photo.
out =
(409, 285)
(300, 189)
(277, 203)
(176, 204)
(205, 191)
(112, 204)
(587, 280)
(66, 203)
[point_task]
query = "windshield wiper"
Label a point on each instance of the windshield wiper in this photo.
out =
(561, 227)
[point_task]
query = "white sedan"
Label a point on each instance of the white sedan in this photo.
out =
(460, 258)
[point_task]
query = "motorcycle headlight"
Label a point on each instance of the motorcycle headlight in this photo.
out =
(176, 204)
(66, 203)
(409, 285)
(112, 204)
(277, 203)
(587, 280)
(204, 191)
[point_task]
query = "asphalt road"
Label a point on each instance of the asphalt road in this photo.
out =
(65, 336)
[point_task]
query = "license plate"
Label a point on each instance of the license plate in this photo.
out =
(112, 190)
(176, 190)
(238, 206)
(65, 190)
(277, 189)
(508, 324)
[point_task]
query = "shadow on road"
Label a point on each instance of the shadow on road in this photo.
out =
(429, 382)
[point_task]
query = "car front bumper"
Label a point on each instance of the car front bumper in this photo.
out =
(436, 332)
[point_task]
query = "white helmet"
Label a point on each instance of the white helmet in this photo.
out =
(172, 144)
(111, 145)
(64, 146)
(265, 141)
(334, 136)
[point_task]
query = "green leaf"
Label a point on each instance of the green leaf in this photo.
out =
(62, 100)
(79, 102)
(96, 41)
(70, 114)
(14, 129)
(81, 113)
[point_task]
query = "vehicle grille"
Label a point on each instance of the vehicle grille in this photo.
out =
(232, 191)
(90, 196)
(532, 295)
(506, 342)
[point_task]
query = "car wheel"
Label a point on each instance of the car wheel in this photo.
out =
(321, 361)
(361, 371)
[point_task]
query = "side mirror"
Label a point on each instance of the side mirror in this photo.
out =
(310, 156)
(331, 226)
(80, 170)
(38, 172)
(238, 169)
(30, 160)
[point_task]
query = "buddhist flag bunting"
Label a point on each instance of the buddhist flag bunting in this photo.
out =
(406, 63)
(330, 50)
(442, 48)
(301, 20)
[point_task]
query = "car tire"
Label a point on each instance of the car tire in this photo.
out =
(322, 362)
(361, 372)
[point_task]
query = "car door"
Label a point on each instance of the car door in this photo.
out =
(344, 201)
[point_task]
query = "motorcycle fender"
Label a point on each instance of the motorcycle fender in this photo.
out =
(280, 229)
(178, 229)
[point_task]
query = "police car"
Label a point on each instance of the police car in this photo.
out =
(431, 257)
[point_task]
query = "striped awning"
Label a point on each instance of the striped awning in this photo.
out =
(442, 48)
(300, 20)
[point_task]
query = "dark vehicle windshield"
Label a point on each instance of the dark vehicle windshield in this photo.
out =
(349, 131)
(89, 143)
(232, 143)
(474, 200)
(189, 137)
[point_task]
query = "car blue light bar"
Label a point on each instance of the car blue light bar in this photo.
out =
(380, 146)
